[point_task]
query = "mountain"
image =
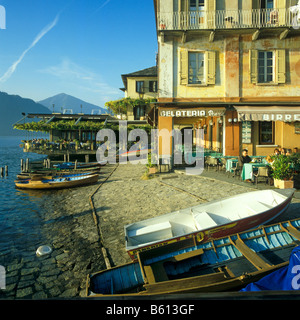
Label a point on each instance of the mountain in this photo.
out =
(11, 109)
(65, 101)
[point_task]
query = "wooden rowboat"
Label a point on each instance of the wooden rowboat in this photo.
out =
(208, 221)
(225, 264)
(55, 174)
(58, 183)
(80, 165)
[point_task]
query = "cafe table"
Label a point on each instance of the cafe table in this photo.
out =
(247, 172)
(231, 163)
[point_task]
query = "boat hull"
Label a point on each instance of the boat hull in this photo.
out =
(220, 230)
(40, 185)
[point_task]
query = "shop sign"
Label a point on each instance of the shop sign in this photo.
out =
(185, 113)
(281, 117)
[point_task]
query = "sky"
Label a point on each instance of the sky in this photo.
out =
(77, 47)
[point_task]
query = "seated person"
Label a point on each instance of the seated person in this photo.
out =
(283, 151)
(295, 150)
(244, 158)
(276, 152)
(288, 152)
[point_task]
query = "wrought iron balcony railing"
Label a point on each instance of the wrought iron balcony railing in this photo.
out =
(229, 19)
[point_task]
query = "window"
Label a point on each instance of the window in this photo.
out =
(196, 12)
(265, 66)
(152, 86)
(266, 132)
(196, 68)
(197, 6)
(140, 86)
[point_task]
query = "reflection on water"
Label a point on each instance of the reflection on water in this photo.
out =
(20, 212)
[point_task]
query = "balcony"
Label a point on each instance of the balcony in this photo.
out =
(228, 19)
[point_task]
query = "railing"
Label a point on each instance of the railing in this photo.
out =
(228, 19)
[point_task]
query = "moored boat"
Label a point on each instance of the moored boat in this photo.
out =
(207, 221)
(56, 174)
(58, 183)
(225, 264)
(79, 165)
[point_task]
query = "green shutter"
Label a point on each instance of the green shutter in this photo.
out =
(280, 66)
(184, 67)
(210, 63)
(253, 66)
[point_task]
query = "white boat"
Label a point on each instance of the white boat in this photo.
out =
(208, 221)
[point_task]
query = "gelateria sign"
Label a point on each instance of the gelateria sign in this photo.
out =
(190, 113)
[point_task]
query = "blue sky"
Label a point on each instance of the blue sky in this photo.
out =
(78, 47)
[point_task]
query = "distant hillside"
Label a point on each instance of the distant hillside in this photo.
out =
(11, 109)
(65, 101)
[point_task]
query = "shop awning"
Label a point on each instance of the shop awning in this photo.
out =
(263, 113)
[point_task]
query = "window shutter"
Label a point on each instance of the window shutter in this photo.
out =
(282, 6)
(280, 66)
(210, 63)
(253, 66)
(184, 8)
(211, 12)
(184, 67)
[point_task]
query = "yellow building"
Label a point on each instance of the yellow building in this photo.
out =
(140, 85)
(231, 67)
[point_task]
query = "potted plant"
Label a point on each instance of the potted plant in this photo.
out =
(282, 172)
(152, 168)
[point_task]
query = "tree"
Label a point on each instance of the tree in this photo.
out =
(121, 106)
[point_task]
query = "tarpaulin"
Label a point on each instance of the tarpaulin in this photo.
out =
(286, 278)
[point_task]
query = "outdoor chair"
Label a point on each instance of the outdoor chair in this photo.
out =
(237, 170)
(212, 162)
(222, 164)
(263, 172)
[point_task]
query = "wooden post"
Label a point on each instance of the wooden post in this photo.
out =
(49, 163)
(87, 158)
(6, 171)
(75, 167)
(27, 165)
(68, 157)
(1, 172)
(65, 158)
(22, 164)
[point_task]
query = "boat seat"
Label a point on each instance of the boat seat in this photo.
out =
(152, 233)
(256, 207)
(156, 272)
(203, 220)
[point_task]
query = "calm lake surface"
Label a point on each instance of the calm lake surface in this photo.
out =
(21, 212)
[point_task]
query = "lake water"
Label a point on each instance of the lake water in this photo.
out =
(20, 212)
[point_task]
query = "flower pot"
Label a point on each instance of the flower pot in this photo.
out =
(283, 184)
(152, 170)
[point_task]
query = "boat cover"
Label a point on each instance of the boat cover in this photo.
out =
(286, 278)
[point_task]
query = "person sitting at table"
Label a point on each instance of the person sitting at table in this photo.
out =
(283, 151)
(295, 150)
(288, 152)
(244, 158)
(276, 152)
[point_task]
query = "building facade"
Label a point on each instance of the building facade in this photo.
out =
(232, 68)
(140, 85)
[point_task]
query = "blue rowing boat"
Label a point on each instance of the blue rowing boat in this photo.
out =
(228, 263)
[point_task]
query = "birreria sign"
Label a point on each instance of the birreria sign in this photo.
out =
(191, 140)
(2, 17)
